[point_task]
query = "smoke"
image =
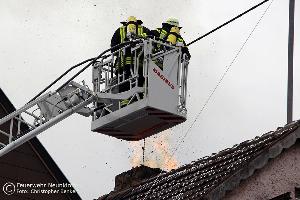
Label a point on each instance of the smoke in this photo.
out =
(157, 152)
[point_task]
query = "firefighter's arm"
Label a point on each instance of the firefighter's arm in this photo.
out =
(116, 38)
(154, 33)
(185, 50)
(147, 31)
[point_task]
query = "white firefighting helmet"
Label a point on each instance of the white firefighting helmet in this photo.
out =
(173, 22)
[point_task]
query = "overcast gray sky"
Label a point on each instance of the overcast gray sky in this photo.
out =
(39, 40)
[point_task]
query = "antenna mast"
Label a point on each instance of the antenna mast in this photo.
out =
(290, 62)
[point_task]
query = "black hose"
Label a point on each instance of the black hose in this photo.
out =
(75, 66)
(95, 59)
(55, 81)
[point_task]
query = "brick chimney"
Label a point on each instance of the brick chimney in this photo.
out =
(134, 177)
(129, 179)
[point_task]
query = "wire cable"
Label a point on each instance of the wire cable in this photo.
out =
(228, 22)
(222, 77)
(61, 76)
(213, 92)
(91, 60)
(94, 60)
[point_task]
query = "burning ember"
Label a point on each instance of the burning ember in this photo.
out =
(157, 153)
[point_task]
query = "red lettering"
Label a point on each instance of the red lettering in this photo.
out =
(161, 76)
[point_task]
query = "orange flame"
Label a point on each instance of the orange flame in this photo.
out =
(157, 155)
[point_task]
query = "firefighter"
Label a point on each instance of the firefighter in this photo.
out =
(131, 29)
(170, 32)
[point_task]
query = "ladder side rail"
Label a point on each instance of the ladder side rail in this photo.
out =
(19, 141)
(15, 125)
(24, 108)
(19, 121)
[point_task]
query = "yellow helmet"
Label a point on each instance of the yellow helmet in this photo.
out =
(132, 19)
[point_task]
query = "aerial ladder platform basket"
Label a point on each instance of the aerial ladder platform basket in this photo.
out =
(155, 99)
(159, 102)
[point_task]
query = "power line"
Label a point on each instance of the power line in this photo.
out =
(228, 22)
(223, 76)
(221, 79)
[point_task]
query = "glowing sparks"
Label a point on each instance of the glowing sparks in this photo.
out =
(157, 155)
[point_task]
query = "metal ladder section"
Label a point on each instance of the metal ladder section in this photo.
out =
(42, 113)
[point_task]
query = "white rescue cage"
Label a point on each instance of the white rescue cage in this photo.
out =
(160, 103)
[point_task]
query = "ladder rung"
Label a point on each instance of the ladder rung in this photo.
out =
(4, 133)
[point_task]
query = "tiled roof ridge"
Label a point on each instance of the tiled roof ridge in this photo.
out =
(289, 129)
(205, 162)
(273, 151)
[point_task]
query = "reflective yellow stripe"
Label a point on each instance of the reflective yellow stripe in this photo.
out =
(163, 34)
(122, 33)
(124, 102)
(128, 60)
(179, 40)
(140, 30)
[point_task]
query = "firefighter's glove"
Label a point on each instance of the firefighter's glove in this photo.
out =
(160, 60)
(186, 57)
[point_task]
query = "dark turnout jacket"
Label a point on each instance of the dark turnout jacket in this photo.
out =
(162, 33)
(118, 36)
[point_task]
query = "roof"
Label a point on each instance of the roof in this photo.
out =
(27, 158)
(211, 176)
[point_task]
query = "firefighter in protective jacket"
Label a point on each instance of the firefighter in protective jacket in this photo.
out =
(170, 32)
(131, 29)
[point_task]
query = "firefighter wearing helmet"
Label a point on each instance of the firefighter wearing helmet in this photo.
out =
(170, 32)
(131, 29)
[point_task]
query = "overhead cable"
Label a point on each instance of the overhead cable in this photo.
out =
(212, 93)
(215, 29)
